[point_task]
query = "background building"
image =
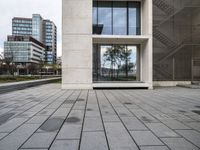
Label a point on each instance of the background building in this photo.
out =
(176, 45)
(50, 40)
(23, 51)
(42, 30)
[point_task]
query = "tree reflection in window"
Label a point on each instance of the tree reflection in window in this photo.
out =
(117, 63)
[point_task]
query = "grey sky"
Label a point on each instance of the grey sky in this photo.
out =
(48, 9)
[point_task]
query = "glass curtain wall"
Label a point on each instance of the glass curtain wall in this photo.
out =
(116, 18)
(176, 45)
(115, 63)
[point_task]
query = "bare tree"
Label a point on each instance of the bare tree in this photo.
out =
(9, 61)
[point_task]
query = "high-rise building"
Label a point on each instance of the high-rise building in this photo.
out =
(130, 43)
(50, 40)
(42, 30)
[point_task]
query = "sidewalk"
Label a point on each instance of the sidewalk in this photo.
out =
(48, 118)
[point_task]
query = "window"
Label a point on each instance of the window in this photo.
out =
(115, 63)
(116, 18)
(119, 18)
(105, 17)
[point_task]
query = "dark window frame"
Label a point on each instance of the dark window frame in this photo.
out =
(128, 4)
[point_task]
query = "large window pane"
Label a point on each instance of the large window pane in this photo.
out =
(119, 18)
(105, 17)
(116, 18)
(115, 63)
(94, 20)
(134, 18)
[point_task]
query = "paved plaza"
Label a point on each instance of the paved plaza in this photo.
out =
(48, 118)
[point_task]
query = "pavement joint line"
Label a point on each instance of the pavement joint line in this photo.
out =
(32, 117)
(22, 96)
(67, 139)
(65, 117)
(172, 130)
(170, 116)
(79, 145)
(156, 104)
(27, 103)
(121, 121)
(141, 121)
(102, 120)
(46, 119)
(22, 123)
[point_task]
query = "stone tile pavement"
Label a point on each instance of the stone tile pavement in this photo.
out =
(48, 118)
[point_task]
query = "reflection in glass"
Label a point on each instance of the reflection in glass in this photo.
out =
(134, 19)
(115, 63)
(119, 18)
(116, 18)
(94, 13)
(105, 17)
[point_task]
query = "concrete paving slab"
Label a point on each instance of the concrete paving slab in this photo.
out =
(161, 130)
(40, 140)
(118, 137)
(191, 135)
(92, 124)
(93, 141)
(65, 145)
(179, 144)
(147, 138)
(70, 131)
(14, 140)
(154, 148)
(52, 118)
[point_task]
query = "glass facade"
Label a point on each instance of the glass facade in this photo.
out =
(37, 27)
(115, 63)
(116, 18)
(50, 57)
(50, 41)
(21, 26)
(19, 52)
(176, 45)
(23, 51)
(44, 31)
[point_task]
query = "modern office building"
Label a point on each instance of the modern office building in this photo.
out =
(24, 50)
(107, 44)
(130, 43)
(42, 30)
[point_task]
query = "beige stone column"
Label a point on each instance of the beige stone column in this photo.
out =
(77, 44)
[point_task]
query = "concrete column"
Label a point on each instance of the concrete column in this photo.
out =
(147, 50)
(77, 44)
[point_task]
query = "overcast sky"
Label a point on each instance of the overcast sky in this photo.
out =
(48, 9)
